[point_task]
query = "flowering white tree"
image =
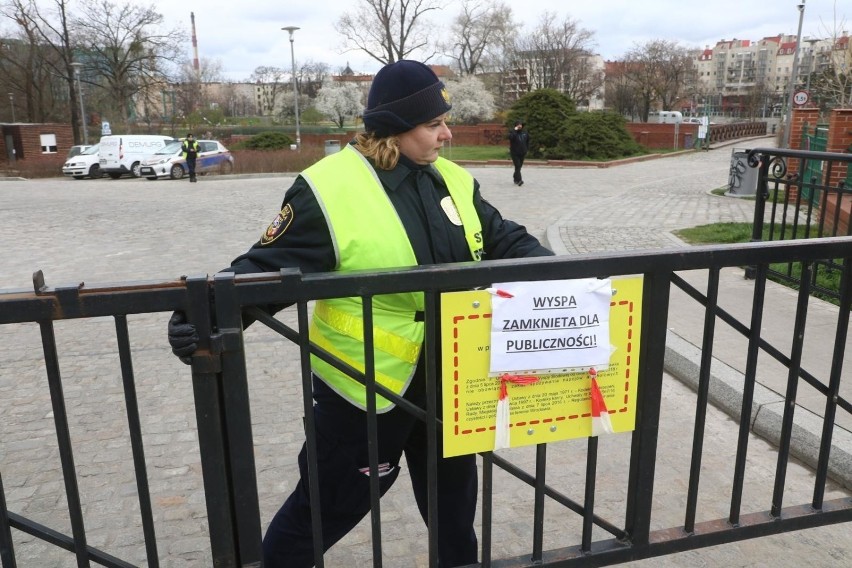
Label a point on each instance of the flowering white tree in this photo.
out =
(339, 101)
(472, 102)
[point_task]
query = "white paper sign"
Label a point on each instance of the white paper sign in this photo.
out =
(550, 325)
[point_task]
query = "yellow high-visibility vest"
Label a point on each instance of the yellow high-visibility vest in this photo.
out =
(367, 233)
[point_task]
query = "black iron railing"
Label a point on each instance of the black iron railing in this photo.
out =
(802, 195)
(224, 424)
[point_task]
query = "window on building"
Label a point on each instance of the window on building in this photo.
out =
(48, 143)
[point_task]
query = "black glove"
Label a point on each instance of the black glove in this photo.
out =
(182, 337)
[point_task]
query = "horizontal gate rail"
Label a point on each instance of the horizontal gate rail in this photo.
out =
(220, 385)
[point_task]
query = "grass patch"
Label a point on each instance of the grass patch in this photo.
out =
(827, 278)
(721, 233)
(452, 152)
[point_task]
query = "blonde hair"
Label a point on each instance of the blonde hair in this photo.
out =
(383, 151)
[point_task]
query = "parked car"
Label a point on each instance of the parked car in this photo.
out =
(77, 150)
(169, 162)
(85, 164)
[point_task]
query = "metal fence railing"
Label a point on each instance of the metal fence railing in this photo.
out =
(803, 195)
(226, 440)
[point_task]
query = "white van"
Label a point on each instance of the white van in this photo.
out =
(122, 154)
(666, 117)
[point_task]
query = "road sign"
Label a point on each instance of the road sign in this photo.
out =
(801, 98)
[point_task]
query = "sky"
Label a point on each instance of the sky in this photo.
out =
(243, 35)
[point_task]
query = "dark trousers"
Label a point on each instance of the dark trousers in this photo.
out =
(345, 491)
(190, 165)
(518, 162)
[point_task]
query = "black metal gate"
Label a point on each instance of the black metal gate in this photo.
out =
(596, 537)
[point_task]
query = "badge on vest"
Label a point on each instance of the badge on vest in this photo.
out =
(278, 226)
(452, 212)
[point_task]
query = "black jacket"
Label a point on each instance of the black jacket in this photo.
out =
(416, 193)
(519, 142)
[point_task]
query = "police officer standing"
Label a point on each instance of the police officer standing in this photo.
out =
(416, 208)
(189, 148)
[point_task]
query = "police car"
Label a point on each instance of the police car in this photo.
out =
(168, 162)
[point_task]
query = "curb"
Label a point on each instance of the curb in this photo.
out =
(683, 361)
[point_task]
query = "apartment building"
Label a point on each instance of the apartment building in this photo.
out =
(734, 73)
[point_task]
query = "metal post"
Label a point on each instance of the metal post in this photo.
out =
(292, 29)
(77, 65)
(12, 105)
(795, 75)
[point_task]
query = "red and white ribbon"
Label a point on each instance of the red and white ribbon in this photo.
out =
(601, 423)
(501, 437)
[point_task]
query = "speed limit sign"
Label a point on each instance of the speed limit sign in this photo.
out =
(801, 98)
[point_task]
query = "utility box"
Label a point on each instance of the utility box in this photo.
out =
(742, 178)
(332, 147)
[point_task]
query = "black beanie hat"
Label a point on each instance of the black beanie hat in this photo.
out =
(403, 95)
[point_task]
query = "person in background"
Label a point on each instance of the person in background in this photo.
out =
(519, 143)
(189, 149)
(414, 208)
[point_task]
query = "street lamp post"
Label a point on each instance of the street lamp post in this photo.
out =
(793, 78)
(77, 66)
(12, 105)
(290, 30)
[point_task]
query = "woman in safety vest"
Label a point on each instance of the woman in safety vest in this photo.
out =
(413, 208)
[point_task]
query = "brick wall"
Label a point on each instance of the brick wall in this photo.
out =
(27, 140)
(839, 141)
(661, 136)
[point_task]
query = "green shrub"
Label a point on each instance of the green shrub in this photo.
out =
(594, 136)
(543, 112)
(265, 141)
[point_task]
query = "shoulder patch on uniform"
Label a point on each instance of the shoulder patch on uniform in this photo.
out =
(278, 226)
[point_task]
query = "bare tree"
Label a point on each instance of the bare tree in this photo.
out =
(660, 71)
(476, 32)
(556, 55)
(43, 55)
(126, 48)
(272, 85)
(311, 77)
(191, 94)
(388, 30)
(621, 95)
(832, 80)
(756, 100)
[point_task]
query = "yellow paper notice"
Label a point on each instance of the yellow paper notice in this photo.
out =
(558, 406)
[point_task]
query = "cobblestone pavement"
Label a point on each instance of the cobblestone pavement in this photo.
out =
(119, 230)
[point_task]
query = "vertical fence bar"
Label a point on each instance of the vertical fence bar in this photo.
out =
(372, 429)
(834, 382)
(63, 437)
(760, 197)
(310, 433)
(589, 499)
(749, 380)
(135, 429)
(432, 307)
(487, 506)
(702, 398)
(792, 387)
(538, 501)
(237, 415)
(7, 547)
(643, 453)
(207, 394)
